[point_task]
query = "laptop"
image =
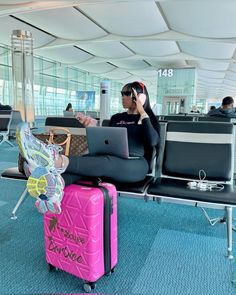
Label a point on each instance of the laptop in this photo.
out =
(68, 114)
(108, 141)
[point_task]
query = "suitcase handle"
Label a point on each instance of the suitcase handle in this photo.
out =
(91, 181)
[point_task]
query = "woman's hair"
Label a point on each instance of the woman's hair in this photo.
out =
(69, 106)
(141, 88)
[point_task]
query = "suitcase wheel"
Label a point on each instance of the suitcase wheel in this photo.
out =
(110, 272)
(88, 286)
(51, 267)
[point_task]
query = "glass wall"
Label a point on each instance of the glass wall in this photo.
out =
(55, 86)
(5, 76)
(176, 90)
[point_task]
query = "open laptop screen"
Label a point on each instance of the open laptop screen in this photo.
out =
(108, 141)
(68, 114)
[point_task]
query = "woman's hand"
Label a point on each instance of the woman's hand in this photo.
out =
(138, 103)
(85, 120)
(82, 119)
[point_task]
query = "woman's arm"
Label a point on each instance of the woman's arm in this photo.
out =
(151, 135)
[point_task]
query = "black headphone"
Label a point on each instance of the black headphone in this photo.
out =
(140, 84)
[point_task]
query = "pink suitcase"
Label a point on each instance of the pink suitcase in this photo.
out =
(82, 240)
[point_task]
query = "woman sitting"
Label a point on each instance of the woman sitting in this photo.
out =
(46, 165)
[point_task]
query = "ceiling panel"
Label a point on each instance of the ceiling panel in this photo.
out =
(67, 55)
(132, 78)
(130, 39)
(211, 65)
(99, 68)
(118, 74)
(127, 18)
(213, 19)
(153, 48)
(208, 49)
(232, 67)
(229, 82)
(230, 76)
(14, 2)
(169, 63)
(145, 73)
(107, 49)
(210, 80)
(66, 23)
(130, 64)
(8, 24)
(210, 85)
(211, 74)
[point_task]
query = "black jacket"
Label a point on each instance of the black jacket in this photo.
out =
(219, 112)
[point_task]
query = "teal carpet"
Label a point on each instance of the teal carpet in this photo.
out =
(8, 155)
(2, 203)
(163, 249)
(188, 262)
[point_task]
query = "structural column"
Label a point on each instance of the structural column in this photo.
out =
(104, 100)
(23, 74)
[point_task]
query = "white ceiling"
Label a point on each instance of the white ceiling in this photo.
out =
(127, 39)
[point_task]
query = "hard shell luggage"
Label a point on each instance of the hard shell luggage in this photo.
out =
(82, 240)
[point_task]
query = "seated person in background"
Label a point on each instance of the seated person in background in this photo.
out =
(5, 107)
(69, 107)
(46, 165)
(226, 110)
(212, 108)
(194, 110)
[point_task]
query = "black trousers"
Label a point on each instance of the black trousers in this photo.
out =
(117, 169)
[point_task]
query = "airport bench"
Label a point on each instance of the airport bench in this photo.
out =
(192, 151)
(16, 119)
(5, 121)
(135, 189)
(70, 123)
(188, 149)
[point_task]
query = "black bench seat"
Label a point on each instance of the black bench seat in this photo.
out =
(13, 173)
(137, 188)
(177, 189)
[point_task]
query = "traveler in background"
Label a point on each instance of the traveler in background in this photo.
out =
(194, 110)
(45, 162)
(212, 108)
(69, 107)
(226, 109)
(5, 107)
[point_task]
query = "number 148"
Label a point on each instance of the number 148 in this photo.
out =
(165, 73)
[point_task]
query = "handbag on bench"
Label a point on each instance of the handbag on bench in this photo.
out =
(72, 145)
